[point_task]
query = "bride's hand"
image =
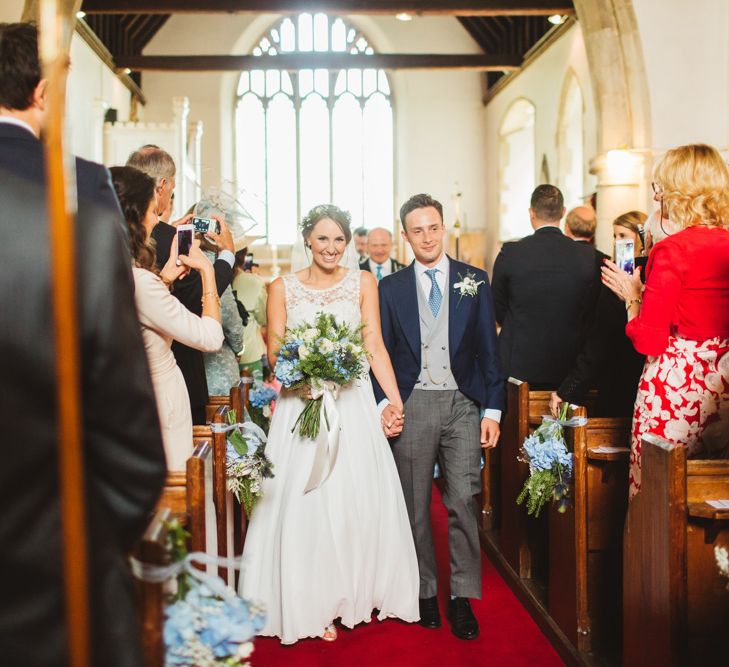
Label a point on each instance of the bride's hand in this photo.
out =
(393, 420)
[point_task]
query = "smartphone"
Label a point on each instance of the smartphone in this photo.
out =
(204, 225)
(248, 263)
(625, 255)
(184, 240)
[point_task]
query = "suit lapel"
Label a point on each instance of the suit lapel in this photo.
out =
(407, 307)
(458, 308)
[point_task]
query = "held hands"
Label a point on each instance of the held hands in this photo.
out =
(490, 432)
(392, 420)
(224, 240)
(627, 287)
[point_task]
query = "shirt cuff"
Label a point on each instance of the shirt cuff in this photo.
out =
(227, 256)
(382, 405)
(489, 413)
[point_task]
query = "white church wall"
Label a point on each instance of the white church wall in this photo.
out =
(439, 116)
(11, 10)
(542, 83)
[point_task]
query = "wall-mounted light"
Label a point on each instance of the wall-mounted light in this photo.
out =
(556, 19)
(404, 16)
(80, 14)
(127, 70)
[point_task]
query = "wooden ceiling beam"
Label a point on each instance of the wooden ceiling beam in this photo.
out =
(426, 7)
(330, 61)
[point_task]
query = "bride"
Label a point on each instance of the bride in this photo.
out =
(345, 548)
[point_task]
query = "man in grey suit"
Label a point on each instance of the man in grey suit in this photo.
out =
(441, 337)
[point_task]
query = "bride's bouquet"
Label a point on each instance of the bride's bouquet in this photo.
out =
(323, 355)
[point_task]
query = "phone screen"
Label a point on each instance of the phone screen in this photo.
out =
(625, 254)
(201, 225)
(248, 262)
(184, 240)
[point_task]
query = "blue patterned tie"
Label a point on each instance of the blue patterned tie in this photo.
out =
(378, 273)
(436, 296)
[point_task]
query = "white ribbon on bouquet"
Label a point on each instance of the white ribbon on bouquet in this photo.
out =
(327, 442)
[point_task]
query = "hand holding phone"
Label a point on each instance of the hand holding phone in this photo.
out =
(625, 255)
(184, 241)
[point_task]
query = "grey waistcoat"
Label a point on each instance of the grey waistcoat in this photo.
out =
(435, 361)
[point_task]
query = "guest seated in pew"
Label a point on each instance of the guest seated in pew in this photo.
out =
(545, 287)
(680, 320)
(221, 366)
(607, 361)
(123, 460)
(158, 164)
(162, 317)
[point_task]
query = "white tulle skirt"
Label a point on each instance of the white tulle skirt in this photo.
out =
(341, 550)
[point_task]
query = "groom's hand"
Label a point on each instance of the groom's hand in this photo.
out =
(392, 421)
(489, 433)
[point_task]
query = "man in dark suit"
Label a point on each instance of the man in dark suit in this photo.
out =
(545, 287)
(124, 459)
(158, 164)
(379, 248)
(438, 328)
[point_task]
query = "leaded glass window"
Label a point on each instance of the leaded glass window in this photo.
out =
(309, 137)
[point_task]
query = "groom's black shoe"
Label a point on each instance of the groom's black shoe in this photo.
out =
(463, 623)
(429, 613)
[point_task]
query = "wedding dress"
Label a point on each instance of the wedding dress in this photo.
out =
(342, 549)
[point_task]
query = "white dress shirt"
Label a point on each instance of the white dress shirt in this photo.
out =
(12, 120)
(386, 269)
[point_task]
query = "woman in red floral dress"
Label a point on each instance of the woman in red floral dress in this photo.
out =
(680, 319)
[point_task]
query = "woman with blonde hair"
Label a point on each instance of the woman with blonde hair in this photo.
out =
(680, 320)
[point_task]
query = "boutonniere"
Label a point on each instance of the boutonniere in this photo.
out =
(468, 285)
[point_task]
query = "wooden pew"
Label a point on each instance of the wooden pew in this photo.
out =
(235, 400)
(223, 499)
(675, 602)
(189, 495)
(152, 550)
(503, 477)
(585, 542)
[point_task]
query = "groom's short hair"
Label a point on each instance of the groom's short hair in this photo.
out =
(416, 202)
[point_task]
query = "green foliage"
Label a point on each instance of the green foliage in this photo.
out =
(235, 437)
(177, 538)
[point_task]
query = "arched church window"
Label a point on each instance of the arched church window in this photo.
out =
(308, 137)
(570, 145)
(517, 167)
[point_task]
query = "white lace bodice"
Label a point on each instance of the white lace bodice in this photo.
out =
(341, 300)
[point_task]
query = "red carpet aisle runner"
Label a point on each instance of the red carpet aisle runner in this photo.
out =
(508, 636)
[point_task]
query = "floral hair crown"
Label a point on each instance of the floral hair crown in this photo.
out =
(324, 211)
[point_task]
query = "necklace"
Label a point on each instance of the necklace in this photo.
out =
(426, 368)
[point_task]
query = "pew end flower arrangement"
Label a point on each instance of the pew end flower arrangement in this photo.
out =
(261, 399)
(323, 356)
(246, 463)
(207, 624)
(550, 466)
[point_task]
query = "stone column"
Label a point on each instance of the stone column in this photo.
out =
(621, 187)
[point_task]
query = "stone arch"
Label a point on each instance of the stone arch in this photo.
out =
(620, 87)
(571, 103)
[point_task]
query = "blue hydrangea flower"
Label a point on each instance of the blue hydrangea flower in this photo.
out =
(262, 395)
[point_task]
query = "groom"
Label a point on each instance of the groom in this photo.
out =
(441, 338)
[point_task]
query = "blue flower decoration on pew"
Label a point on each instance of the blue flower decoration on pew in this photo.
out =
(550, 466)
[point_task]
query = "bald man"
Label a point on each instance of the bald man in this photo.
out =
(379, 247)
(580, 225)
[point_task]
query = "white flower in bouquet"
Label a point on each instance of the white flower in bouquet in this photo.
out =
(326, 346)
(267, 411)
(310, 335)
(303, 351)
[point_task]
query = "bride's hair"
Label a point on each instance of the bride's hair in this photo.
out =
(342, 218)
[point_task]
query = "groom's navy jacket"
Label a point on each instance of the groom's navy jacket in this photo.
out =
(471, 335)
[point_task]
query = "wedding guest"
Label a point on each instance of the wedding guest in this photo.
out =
(250, 290)
(631, 226)
(162, 317)
(681, 319)
(123, 459)
(360, 242)
(544, 288)
(379, 248)
(607, 361)
(221, 367)
(580, 224)
(158, 164)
